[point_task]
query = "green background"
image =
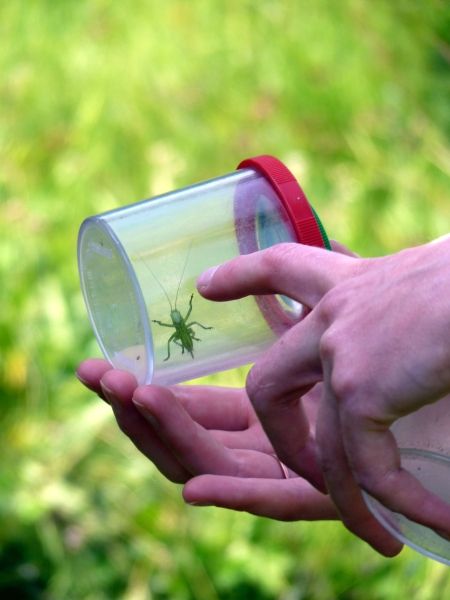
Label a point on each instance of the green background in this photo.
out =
(104, 103)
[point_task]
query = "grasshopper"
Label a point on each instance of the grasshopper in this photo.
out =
(184, 334)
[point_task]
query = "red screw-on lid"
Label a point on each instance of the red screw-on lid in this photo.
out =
(291, 195)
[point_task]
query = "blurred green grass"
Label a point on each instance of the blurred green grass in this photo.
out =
(104, 103)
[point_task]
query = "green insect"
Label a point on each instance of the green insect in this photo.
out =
(184, 334)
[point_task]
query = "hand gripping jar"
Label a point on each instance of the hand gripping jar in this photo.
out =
(423, 438)
(139, 264)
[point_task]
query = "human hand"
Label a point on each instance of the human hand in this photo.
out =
(378, 336)
(210, 439)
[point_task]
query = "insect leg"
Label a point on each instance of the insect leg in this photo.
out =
(181, 346)
(199, 324)
(192, 334)
(162, 324)
(172, 338)
(190, 308)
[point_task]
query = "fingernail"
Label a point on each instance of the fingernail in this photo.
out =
(205, 278)
(81, 380)
(145, 412)
(109, 395)
(198, 503)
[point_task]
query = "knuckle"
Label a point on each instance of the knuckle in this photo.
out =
(275, 256)
(240, 464)
(331, 304)
(254, 388)
(328, 345)
(345, 378)
(345, 386)
(258, 391)
(251, 384)
(334, 347)
(375, 483)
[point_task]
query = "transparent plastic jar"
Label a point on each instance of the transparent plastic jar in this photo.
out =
(424, 441)
(139, 264)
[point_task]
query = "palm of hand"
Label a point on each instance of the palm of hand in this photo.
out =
(210, 438)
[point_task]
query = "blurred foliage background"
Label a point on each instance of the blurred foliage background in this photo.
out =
(104, 103)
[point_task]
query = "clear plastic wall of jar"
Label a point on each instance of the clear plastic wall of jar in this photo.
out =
(138, 268)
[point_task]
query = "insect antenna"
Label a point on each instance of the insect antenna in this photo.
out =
(182, 272)
(159, 283)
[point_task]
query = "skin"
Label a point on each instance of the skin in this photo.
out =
(368, 353)
(377, 336)
(209, 439)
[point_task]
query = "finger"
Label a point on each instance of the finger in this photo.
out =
(284, 499)
(119, 387)
(196, 448)
(90, 372)
(341, 484)
(253, 438)
(275, 385)
(375, 461)
(311, 402)
(188, 440)
(215, 407)
(304, 273)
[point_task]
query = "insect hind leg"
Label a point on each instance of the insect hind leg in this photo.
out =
(171, 339)
(192, 334)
